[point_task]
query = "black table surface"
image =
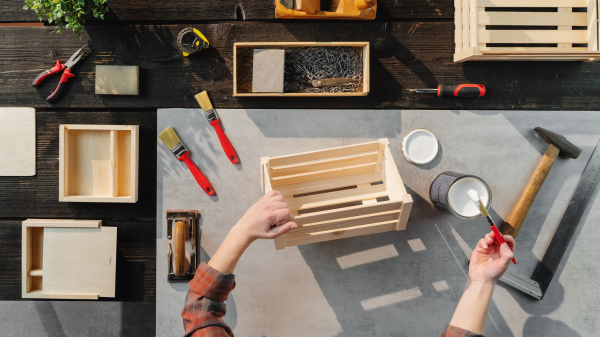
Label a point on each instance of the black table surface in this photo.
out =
(412, 46)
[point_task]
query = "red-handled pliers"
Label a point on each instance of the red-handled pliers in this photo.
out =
(67, 74)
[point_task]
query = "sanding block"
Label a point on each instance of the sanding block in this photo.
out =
(183, 240)
(267, 70)
(117, 80)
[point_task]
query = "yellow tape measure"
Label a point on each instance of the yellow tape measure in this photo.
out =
(191, 40)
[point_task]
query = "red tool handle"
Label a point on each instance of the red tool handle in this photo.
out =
(200, 178)
(500, 239)
(461, 90)
(227, 147)
(56, 69)
(61, 85)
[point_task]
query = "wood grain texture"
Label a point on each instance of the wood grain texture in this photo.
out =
(79, 261)
(403, 56)
(188, 10)
(136, 259)
(37, 197)
(17, 141)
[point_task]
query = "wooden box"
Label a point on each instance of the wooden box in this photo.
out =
(242, 63)
(98, 163)
(68, 259)
(339, 193)
(527, 30)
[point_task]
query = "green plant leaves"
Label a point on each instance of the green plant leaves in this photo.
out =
(67, 13)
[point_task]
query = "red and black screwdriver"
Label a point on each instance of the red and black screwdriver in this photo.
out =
(461, 90)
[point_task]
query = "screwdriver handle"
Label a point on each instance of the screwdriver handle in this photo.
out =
(461, 90)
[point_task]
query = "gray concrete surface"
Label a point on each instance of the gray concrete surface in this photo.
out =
(76, 318)
(403, 283)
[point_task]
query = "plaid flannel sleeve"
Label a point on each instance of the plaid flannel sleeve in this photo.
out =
(204, 308)
(452, 331)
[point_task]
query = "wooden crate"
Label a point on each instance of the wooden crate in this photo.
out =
(526, 30)
(339, 193)
(242, 63)
(68, 259)
(98, 163)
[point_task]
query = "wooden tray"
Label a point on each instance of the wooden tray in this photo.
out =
(98, 163)
(339, 193)
(68, 259)
(242, 62)
(513, 30)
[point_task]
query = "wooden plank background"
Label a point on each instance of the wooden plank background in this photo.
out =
(404, 55)
(202, 10)
(37, 197)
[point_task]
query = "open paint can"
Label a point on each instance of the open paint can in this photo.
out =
(449, 193)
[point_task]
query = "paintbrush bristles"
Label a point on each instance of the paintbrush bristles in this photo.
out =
(169, 137)
(482, 209)
(476, 199)
(204, 101)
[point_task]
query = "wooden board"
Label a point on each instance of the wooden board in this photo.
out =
(17, 142)
(80, 261)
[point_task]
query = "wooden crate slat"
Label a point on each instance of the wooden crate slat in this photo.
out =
(323, 154)
(458, 28)
(532, 3)
(342, 233)
(592, 24)
(338, 213)
(532, 18)
(533, 36)
(329, 184)
(324, 174)
(324, 164)
(466, 21)
(337, 197)
(346, 222)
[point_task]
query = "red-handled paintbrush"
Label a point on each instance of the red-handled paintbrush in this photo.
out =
(213, 119)
(475, 197)
(170, 138)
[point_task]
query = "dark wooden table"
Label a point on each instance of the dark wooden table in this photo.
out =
(412, 45)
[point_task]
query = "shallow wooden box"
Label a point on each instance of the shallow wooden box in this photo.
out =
(339, 193)
(526, 30)
(68, 259)
(243, 55)
(98, 163)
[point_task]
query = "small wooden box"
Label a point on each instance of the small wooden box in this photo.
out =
(513, 30)
(339, 193)
(98, 163)
(242, 63)
(68, 259)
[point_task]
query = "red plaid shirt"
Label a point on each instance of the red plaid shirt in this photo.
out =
(204, 308)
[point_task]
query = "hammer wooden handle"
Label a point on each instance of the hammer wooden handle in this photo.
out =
(179, 235)
(517, 216)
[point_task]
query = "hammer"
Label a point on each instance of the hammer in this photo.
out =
(556, 144)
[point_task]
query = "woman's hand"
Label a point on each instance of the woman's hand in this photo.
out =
(490, 259)
(268, 218)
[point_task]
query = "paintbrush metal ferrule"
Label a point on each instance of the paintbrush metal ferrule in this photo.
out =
(490, 221)
(211, 115)
(179, 150)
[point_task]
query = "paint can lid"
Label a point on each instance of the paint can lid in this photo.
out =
(420, 147)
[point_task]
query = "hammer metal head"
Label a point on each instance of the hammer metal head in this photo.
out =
(559, 141)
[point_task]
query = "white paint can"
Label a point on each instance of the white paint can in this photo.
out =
(449, 193)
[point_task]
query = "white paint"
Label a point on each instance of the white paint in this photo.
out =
(474, 195)
(416, 245)
(389, 299)
(367, 256)
(459, 200)
(420, 147)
